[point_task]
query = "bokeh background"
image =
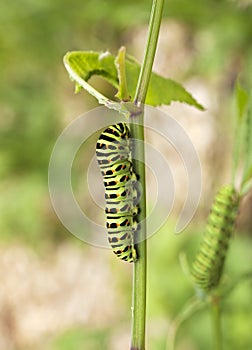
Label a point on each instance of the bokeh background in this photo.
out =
(57, 293)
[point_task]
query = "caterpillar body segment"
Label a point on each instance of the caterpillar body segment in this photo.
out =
(114, 158)
(209, 262)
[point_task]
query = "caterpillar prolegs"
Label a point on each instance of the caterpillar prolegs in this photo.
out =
(113, 156)
(208, 265)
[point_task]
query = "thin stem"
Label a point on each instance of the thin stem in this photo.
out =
(216, 317)
(189, 309)
(137, 132)
(139, 271)
(150, 50)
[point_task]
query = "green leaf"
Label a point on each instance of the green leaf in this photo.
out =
(82, 65)
(243, 133)
(89, 63)
(247, 182)
(238, 152)
(161, 90)
(122, 93)
(242, 98)
(247, 176)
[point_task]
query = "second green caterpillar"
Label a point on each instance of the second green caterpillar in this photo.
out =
(209, 262)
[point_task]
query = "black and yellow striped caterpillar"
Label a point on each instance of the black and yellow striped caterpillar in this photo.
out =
(113, 156)
(209, 262)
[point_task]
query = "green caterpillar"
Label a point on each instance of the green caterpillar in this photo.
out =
(208, 265)
(113, 156)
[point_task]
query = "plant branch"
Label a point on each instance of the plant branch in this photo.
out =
(137, 132)
(216, 317)
(139, 272)
(192, 306)
(150, 50)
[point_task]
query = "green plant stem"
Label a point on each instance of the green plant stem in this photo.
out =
(189, 309)
(137, 132)
(139, 270)
(216, 318)
(150, 50)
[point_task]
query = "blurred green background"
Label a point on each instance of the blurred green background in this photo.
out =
(36, 103)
